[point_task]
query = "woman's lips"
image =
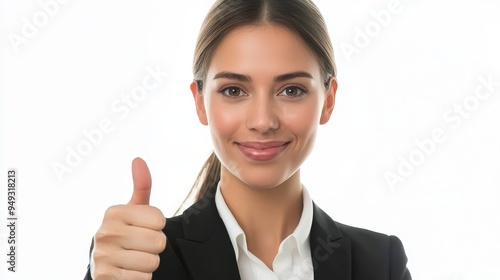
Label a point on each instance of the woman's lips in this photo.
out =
(262, 150)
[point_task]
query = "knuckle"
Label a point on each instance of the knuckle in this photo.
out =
(99, 255)
(106, 234)
(152, 262)
(104, 273)
(129, 274)
(160, 242)
(102, 256)
(101, 235)
(159, 220)
(113, 212)
(135, 275)
(162, 222)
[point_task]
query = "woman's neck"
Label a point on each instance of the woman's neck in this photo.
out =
(267, 216)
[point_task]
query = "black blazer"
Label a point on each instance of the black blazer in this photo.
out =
(199, 248)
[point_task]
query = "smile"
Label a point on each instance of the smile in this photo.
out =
(262, 151)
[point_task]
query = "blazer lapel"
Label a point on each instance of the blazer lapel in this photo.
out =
(207, 249)
(330, 251)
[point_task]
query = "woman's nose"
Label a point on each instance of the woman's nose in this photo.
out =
(262, 114)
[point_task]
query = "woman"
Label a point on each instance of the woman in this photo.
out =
(264, 78)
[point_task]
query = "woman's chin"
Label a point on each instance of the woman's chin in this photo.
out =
(266, 181)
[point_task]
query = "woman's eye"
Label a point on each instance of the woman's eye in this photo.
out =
(231, 92)
(293, 91)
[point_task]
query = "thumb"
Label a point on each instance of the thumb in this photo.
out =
(142, 182)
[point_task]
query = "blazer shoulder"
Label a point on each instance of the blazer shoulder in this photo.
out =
(363, 236)
(378, 250)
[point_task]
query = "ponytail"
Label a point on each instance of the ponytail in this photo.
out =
(208, 176)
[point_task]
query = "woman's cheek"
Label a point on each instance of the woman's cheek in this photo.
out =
(300, 117)
(224, 119)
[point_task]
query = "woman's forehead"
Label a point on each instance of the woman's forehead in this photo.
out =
(263, 49)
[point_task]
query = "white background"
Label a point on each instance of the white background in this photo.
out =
(394, 91)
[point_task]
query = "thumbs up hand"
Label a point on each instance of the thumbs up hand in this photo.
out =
(127, 244)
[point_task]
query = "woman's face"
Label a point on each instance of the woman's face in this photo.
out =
(263, 99)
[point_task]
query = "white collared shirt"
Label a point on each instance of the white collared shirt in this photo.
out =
(293, 261)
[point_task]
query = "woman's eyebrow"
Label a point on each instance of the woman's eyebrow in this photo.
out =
(233, 76)
(246, 78)
(289, 76)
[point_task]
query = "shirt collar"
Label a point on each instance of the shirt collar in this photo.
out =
(233, 228)
(300, 235)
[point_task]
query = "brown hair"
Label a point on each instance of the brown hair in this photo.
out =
(300, 16)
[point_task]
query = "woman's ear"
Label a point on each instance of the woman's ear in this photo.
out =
(329, 103)
(199, 103)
